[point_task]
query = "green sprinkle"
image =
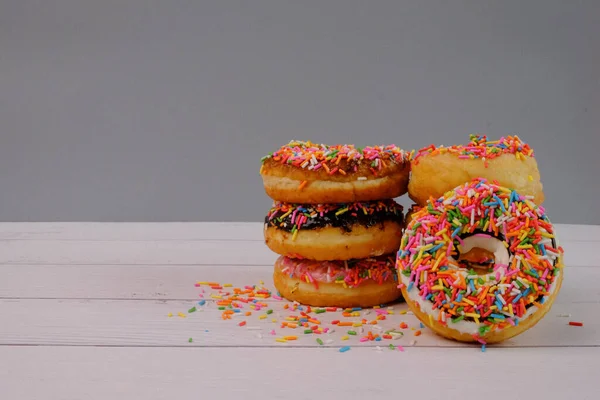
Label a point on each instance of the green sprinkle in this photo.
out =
(458, 319)
(320, 341)
(480, 281)
(190, 340)
(392, 347)
(352, 333)
(221, 308)
(269, 311)
(320, 310)
(308, 331)
(191, 310)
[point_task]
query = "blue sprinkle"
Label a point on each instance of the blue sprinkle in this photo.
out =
(236, 310)
(303, 320)
(421, 325)
(500, 203)
(472, 286)
(459, 297)
(526, 292)
(435, 248)
(429, 296)
(498, 316)
(516, 321)
(543, 249)
(301, 308)
(410, 286)
(517, 298)
(490, 204)
(344, 349)
(456, 231)
(356, 309)
(483, 348)
(498, 304)
(202, 302)
(542, 300)
(378, 339)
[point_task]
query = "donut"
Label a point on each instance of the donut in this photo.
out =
(508, 161)
(354, 283)
(481, 263)
(334, 231)
(305, 172)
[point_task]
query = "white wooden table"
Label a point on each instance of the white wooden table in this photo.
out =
(84, 314)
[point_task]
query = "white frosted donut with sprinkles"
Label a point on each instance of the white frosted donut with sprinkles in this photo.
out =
(481, 263)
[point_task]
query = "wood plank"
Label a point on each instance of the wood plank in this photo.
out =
(189, 231)
(131, 231)
(214, 252)
(152, 282)
(33, 373)
(146, 323)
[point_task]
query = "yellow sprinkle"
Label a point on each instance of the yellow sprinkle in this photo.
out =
(169, 314)
(472, 315)
(430, 320)
(441, 232)
(546, 234)
(376, 307)
(227, 285)
(487, 224)
(437, 287)
(357, 324)
(403, 312)
(182, 315)
(274, 320)
(345, 337)
(295, 234)
(262, 282)
(216, 296)
(280, 340)
(530, 178)
(202, 283)
(390, 312)
(262, 317)
(468, 301)
(476, 320)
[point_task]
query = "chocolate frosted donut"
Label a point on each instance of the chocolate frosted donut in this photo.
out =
(334, 231)
(305, 172)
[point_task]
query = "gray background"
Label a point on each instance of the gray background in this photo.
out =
(149, 110)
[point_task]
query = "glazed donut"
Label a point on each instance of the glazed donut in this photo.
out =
(334, 231)
(508, 161)
(355, 283)
(480, 263)
(304, 172)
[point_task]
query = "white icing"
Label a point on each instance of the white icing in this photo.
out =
(490, 244)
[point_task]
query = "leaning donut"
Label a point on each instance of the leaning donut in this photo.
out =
(355, 283)
(508, 161)
(480, 263)
(334, 231)
(304, 172)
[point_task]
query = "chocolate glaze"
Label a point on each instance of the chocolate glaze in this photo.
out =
(344, 221)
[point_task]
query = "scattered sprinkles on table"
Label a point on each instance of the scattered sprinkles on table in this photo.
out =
(340, 159)
(502, 296)
(480, 148)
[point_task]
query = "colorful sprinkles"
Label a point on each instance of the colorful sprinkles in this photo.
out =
(340, 159)
(503, 295)
(349, 274)
(480, 148)
(294, 217)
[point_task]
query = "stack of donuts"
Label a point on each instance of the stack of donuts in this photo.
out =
(479, 258)
(334, 222)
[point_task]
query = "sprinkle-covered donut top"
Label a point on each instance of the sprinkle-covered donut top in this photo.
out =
(336, 159)
(522, 276)
(480, 148)
(351, 273)
(295, 217)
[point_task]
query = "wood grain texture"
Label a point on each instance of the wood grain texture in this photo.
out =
(146, 323)
(33, 373)
(186, 252)
(84, 315)
(101, 231)
(174, 282)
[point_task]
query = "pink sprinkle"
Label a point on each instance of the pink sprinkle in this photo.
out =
(276, 297)
(272, 332)
(364, 339)
(400, 348)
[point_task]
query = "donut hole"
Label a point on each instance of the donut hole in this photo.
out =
(480, 252)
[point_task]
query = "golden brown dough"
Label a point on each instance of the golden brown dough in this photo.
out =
(508, 161)
(334, 231)
(332, 282)
(305, 172)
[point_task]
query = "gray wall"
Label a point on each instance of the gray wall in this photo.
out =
(148, 110)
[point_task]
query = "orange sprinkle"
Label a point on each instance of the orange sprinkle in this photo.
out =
(418, 333)
(302, 185)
